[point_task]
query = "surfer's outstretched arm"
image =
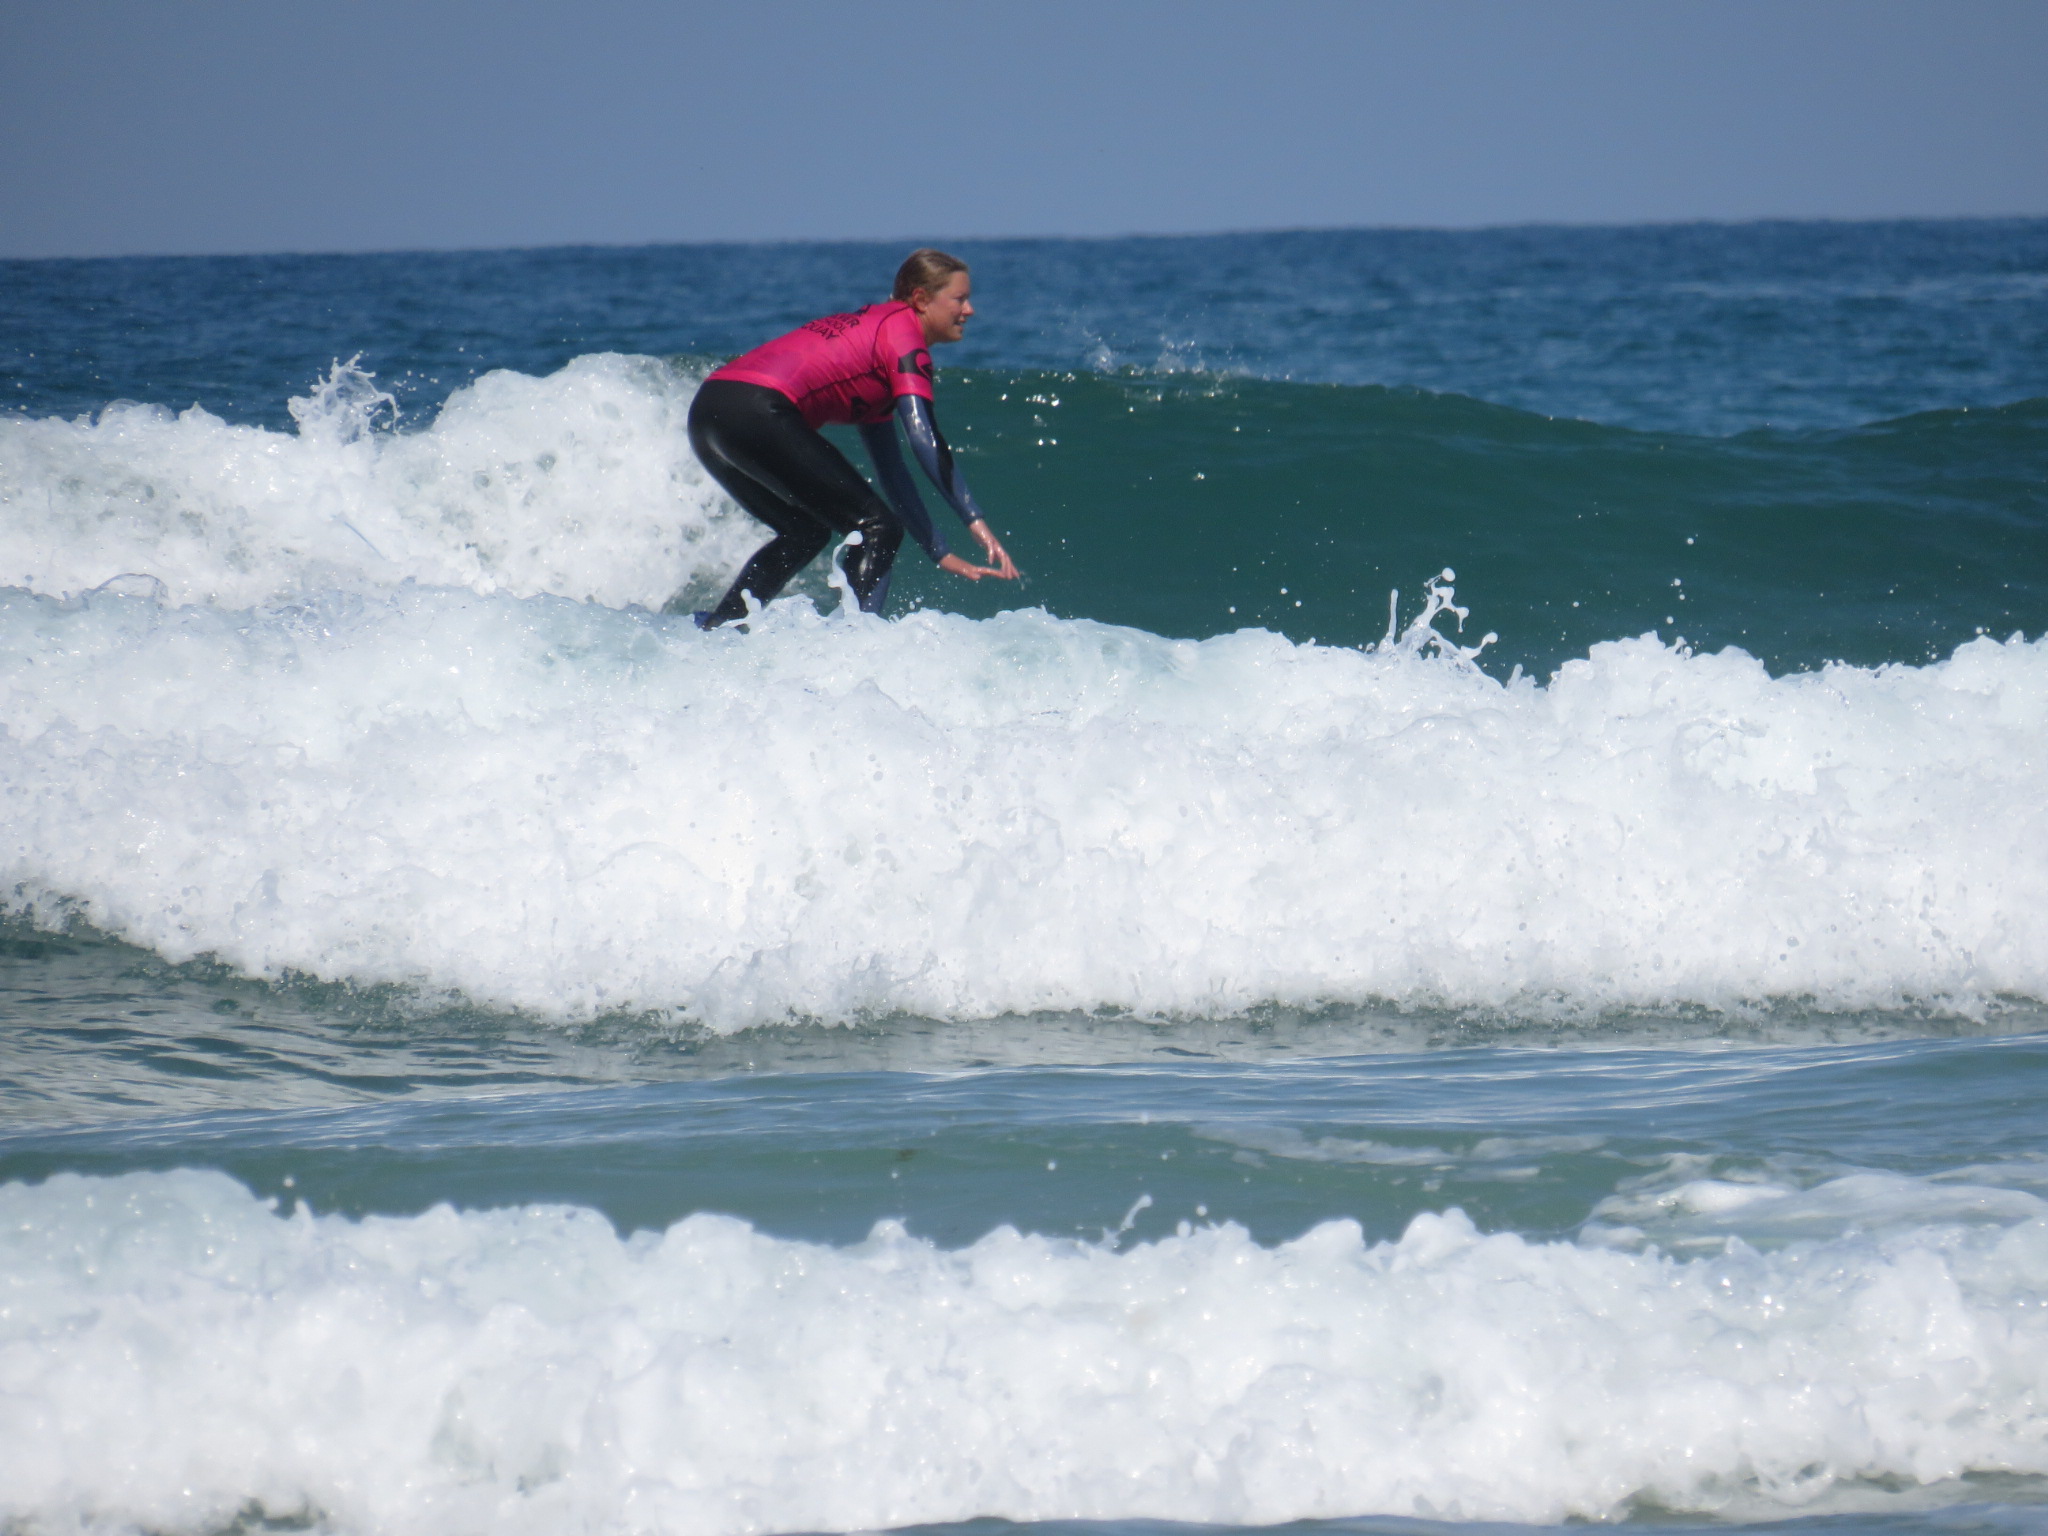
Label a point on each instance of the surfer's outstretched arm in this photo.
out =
(879, 437)
(935, 456)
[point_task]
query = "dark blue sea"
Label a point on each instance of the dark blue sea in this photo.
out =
(1468, 951)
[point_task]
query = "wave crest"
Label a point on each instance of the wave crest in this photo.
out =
(580, 484)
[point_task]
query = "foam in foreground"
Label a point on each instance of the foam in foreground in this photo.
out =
(172, 1350)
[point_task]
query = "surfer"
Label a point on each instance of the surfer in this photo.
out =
(754, 425)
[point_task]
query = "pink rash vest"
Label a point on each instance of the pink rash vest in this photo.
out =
(843, 368)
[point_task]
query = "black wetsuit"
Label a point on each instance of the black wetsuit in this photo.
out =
(755, 442)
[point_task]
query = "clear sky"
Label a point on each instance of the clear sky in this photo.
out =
(160, 126)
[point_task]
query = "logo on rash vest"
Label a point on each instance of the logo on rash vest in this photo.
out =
(919, 363)
(832, 327)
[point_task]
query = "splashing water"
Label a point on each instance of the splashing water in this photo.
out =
(344, 407)
(1422, 637)
(581, 484)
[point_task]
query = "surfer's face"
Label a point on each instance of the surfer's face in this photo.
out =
(945, 313)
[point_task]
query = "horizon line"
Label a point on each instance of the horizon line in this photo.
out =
(1500, 227)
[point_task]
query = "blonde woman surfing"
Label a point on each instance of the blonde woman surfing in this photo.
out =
(754, 424)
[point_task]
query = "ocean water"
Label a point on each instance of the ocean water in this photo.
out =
(1469, 951)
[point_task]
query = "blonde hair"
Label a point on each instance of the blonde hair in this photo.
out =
(927, 269)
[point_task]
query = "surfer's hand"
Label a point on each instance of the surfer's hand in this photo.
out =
(999, 558)
(960, 567)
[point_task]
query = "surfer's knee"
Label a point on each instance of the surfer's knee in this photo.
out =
(880, 531)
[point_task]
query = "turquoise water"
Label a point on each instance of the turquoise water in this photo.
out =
(1212, 1037)
(1895, 541)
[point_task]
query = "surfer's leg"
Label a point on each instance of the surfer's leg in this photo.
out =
(868, 563)
(821, 479)
(733, 432)
(755, 441)
(798, 538)
(767, 573)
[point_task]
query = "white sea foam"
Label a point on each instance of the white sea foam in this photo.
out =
(172, 1350)
(1490, 1152)
(564, 808)
(581, 484)
(1681, 1208)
